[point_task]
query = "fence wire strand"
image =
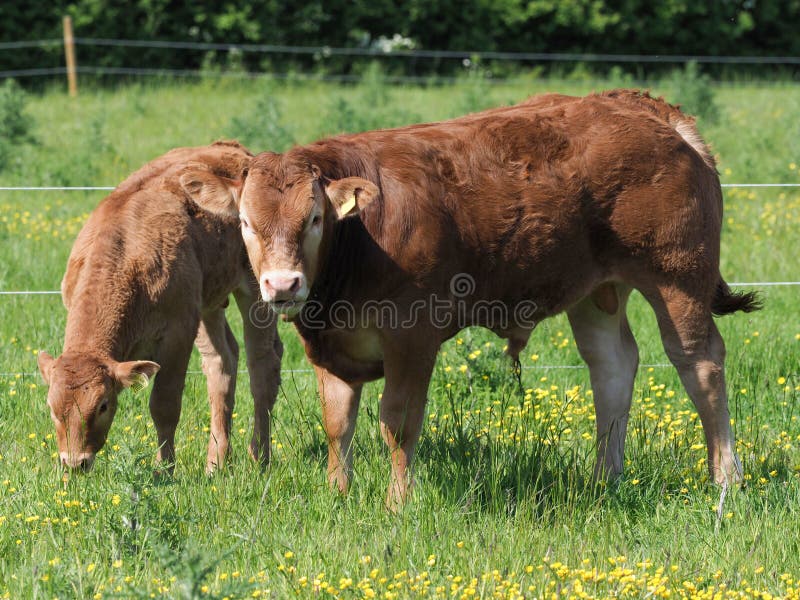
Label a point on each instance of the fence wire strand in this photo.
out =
(109, 188)
(324, 52)
(90, 188)
(732, 284)
(376, 51)
(31, 44)
(304, 371)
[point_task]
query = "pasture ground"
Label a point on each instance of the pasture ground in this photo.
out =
(503, 506)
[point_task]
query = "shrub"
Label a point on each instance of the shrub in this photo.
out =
(692, 90)
(15, 124)
(370, 106)
(475, 90)
(262, 128)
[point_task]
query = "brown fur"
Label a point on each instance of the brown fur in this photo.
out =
(542, 202)
(150, 271)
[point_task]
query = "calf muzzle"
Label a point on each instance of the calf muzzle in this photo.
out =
(283, 286)
(78, 462)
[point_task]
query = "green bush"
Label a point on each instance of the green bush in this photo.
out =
(369, 105)
(262, 127)
(15, 124)
(733, 27)
(475, 91)
(692, 90)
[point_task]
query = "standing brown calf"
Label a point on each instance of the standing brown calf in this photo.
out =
(150, 273)
(382, 245)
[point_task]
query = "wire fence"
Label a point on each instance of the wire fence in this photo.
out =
(20, 45)
(109, 188)
(55, 188)
(201, 73)
(80, 188)
(732, 283)
(426, 80)
(322, 52)
(378, 51)
(375, 51)
(309, 371)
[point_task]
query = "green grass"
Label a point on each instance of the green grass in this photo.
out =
(503, 506)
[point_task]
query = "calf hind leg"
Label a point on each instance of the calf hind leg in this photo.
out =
(696, 349)
(606, 343)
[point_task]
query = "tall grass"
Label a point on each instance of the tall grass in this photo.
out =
(504, 505)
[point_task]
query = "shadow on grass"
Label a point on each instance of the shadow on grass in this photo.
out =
(487, 476)
(545, 480)
(511, 460)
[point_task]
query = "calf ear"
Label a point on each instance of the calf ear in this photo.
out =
(136, 373)
(351, 195)
(212, 192)
(45, 365)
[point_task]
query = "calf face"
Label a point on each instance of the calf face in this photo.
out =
(286, 229)
(83, 400)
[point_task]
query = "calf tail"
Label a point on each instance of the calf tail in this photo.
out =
(726, 301)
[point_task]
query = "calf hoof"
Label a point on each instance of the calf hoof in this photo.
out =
(398, 495)
(259, 454)
(214, 466)
(604, 475)
(216, 458)
(163, 473)
(728, 473)
(338, 481)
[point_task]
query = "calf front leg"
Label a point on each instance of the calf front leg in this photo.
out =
(408, 372)
(339, 402)
(220, 358)
(264, 351)
(165, 399)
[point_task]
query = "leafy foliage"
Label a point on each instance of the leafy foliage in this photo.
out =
(370, 106)
(15, 124)
(735, 27)
(692, 90)
(263, 126)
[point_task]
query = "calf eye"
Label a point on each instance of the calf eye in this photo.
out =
(316, 220)
(245, 224)
(103, 408)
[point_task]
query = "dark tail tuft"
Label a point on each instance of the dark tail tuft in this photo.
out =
(726, 301)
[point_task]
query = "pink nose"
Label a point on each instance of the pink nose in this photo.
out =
(82, 462)
(280, 286)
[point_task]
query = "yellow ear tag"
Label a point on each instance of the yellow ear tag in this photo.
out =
(140, 382)
(348, 206)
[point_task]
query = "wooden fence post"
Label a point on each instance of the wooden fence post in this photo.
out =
(69, 51)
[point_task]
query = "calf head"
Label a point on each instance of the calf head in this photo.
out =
(288, 210)
(83, 400)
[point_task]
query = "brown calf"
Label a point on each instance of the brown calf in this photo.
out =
(382, 245)
(150, 273)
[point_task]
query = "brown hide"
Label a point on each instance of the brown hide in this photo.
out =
(149, 267)
(535, 205)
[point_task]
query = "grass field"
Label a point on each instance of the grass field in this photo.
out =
(503, 506)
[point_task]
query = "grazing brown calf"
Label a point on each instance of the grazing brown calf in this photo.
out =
(150, 273)
(382, 245)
